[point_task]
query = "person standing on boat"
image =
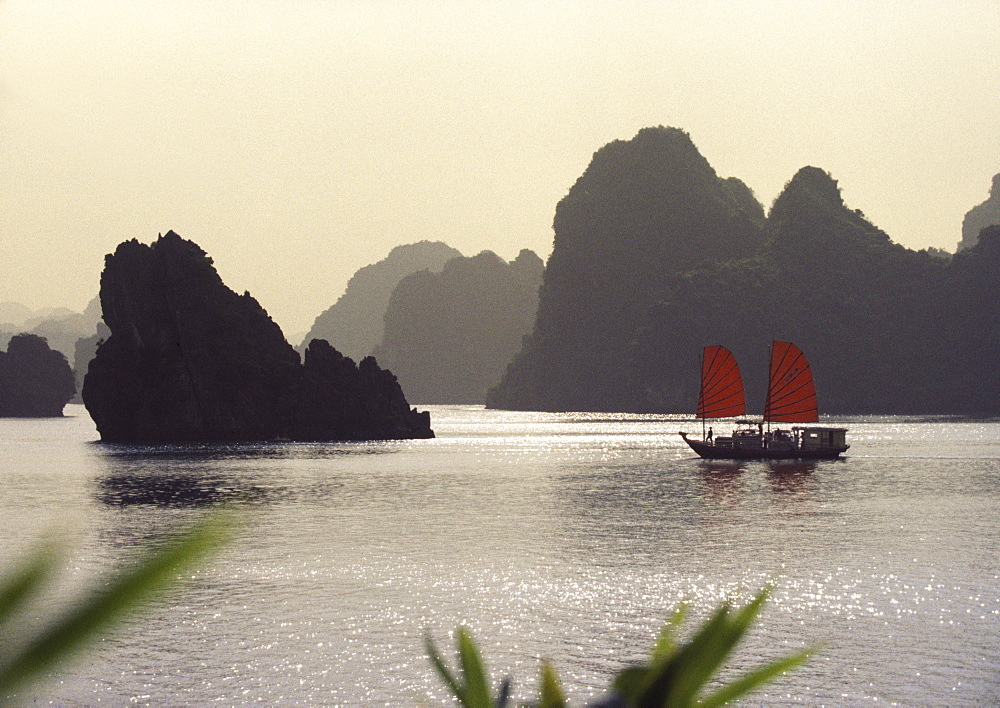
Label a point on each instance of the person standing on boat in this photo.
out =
(708, 438)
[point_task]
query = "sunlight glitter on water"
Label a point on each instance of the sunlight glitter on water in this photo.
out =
(565, 536)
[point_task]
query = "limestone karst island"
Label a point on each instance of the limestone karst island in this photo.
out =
(190, 360)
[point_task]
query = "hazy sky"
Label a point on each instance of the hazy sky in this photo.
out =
(298, 140)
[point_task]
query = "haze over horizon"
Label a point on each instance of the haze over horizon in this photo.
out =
(297, 141)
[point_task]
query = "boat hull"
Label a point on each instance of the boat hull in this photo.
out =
(715, 452)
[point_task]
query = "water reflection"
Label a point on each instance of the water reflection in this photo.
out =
(249, 451)
(722, 477)
(203, 475)
(167, 489)
(792, 477)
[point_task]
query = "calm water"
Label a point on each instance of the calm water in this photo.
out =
(566, 536)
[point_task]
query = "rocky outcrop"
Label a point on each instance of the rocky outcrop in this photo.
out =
(873, 316)
(975, 327)
(644, 212)
(354, 324)
(449, 336)
(981, 216)
(642, 277)
(83, 353)
(342, 401)
(35, 381)
(190, 360)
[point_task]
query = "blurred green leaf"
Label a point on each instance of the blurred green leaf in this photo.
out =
(755, 679)
(26, 580)
(676, 675)
(442, 668)
(666, 643)
(477, 689)
(630, 682)
(550, 691)
(123, 594)
(471, 688)
(676, 681)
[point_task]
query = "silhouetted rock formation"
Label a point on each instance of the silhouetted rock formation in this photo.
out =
(975, 326)
(354, 324)
(190, 360)
(35, 381)
(623, 314)
(450, 336)
(644, 212)
(348, 402)
(981, 216)
(875, 318)
(83, 353)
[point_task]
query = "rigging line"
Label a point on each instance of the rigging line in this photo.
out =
(783, 364)
(723, 381)
(799, 411)
(731, 379)
(725, 404)
(781, 379)
(775, 368)
(714, 380)
(784, 393)
(789, 394)
(716, 409)
(718, 391)
(724, 395)
(717, 349)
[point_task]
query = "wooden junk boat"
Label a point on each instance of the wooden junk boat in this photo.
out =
(791, 398)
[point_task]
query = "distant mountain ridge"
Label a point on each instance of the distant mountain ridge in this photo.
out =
(449, 336)
(655, 257)
(60, 326)
(354, 323)
(643, 212)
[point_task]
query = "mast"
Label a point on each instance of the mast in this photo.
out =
(701, 392)
(767, 401)
(721, 394)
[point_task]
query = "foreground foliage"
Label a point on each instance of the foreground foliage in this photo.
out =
(677, 674)
(26, 651)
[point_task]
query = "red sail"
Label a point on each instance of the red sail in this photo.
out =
(721, 385)
(791, 394)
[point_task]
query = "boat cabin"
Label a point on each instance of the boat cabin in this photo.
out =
(817, 438)
(750, 436)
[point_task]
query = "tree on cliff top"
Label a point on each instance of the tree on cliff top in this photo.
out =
(981, 216)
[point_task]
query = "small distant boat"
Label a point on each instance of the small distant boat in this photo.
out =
(791, 398)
